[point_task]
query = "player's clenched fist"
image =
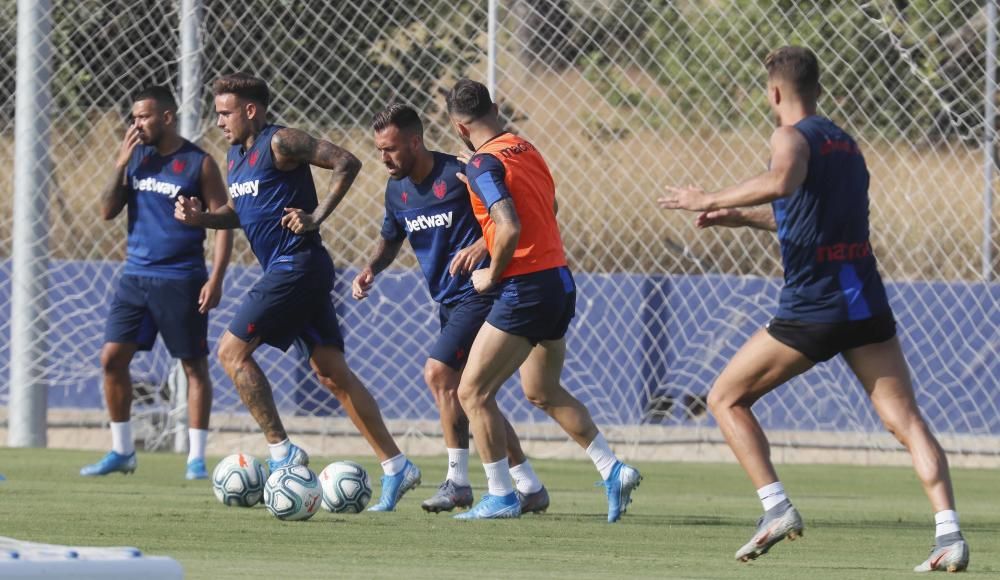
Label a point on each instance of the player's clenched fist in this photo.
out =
(482, 280)
(362, 284)
(188, 210)
(298, 221)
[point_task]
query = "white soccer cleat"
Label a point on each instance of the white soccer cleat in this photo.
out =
(770, 531)
(951, 557)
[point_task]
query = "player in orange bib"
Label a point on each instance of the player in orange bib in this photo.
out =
(513, 197)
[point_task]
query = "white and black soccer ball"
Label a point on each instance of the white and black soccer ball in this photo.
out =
(238, 480)
(292, 493)
(346, 487)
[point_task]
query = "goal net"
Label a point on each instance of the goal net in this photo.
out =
(621, 98)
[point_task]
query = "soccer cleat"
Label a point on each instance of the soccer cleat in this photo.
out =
(780, 522)
(394, 486)
(111, 463)
(448, 497)
(950, 554)
(534, 503)
(494, 507)
(296, 456)
(196, 469)
(619, 485)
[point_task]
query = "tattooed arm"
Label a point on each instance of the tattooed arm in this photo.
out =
(292, 148)
(485, 177)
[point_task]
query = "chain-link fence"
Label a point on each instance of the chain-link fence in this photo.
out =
(621, 98)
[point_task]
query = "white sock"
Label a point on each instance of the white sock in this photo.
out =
(458, 466)
(280, 450)
(498, 478)
(525, 479)
(197, 438)
(121, 438)
(394, 465)
(771, 495)
(946, 522)
(601, 454)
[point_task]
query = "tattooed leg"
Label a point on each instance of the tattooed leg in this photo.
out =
(236, 357)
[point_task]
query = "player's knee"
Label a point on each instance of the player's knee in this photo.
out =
(196, 369)
(441, 380)
(471, 396)
(231, 357)
(114, 360)
(538, 398)
(719, 400)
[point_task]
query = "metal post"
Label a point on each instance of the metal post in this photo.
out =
(189, 117)
(491, 49)
(190, 62)
(32, 168)
(989, 137)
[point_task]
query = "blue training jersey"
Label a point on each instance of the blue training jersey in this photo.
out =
(436, 215)
(830, 270)
(159, 246)
(261, 192)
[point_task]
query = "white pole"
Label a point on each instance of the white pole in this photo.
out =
(989, 137)
(491, 49)
(190, 115)
(190, 61)
(32, 170)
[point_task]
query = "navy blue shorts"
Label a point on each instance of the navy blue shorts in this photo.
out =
(538, 306)
(460, 323)
(144, 307)
(286, 305)
(820, 342)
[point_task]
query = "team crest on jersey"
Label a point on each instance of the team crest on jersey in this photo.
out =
(477, 162)
(404, 196)
(253, 158)
(440, 189)
(178, 165)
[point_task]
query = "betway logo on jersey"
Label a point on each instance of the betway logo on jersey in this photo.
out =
(425, 222)
(154, 185)
(251, 188)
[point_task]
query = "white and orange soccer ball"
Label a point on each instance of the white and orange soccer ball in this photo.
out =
(346, 487)
(238, 480)
(292, 493)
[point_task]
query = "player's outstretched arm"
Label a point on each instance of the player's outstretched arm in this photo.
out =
(760, 217)
(291, 148)
(385, 253)
(115, 196)
(789, 162)
(214, 192)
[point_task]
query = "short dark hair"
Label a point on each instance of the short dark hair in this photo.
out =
(796, 65)
(401, 116)
(162, 95)
(470, 99)
(243, 85)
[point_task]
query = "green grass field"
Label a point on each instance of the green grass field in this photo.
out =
(686, 522)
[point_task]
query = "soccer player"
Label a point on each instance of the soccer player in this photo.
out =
(426, 203)
(833, 302)
(274, 201)
(513, 197)
(165, 287)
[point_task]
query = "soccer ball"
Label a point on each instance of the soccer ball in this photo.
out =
(239, 480)
(292, 493)
(346, 487)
